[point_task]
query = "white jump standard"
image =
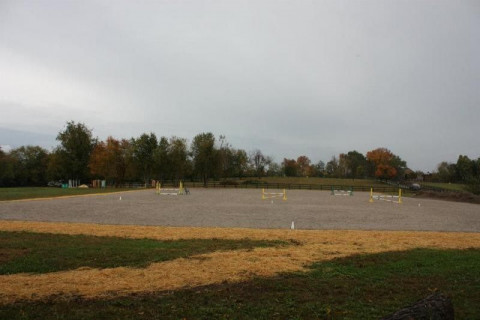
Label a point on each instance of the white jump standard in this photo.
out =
(342, 192)
(271, 195)
(386, 197)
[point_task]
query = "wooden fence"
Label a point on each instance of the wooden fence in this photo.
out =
(289, 186)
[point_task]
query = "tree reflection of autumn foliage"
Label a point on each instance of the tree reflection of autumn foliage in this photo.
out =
(382, 159)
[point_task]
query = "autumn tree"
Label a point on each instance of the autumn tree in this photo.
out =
(386, 165)
(109, 160)
(380, 158)
(98, 161)
(290, 167)
(304, 166)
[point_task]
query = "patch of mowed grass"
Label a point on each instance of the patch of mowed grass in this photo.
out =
(446, 186)
(41, 253)
(41, 192)
(356, 287)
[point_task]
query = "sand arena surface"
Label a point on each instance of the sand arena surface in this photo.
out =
(243, 208)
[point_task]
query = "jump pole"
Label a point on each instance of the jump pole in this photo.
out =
(346, 192)
(181, 189)
(284, 197)
(399, 195)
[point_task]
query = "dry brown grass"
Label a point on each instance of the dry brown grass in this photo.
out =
(209, 268)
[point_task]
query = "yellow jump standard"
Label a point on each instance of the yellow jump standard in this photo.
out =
(271, 195)
(386, 197)
(169, 191)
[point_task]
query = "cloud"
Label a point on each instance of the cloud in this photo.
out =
(289, 78)
(5, 147)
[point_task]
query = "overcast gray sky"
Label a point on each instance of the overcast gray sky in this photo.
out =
(290, 78)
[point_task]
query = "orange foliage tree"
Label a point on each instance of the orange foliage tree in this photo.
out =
(98, 160)
(382, 159)
(108, 159)
(304, 166)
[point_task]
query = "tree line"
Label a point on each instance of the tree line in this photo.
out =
(83, 157)
(465, 170)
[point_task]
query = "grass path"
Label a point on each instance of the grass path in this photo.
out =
(44, 193)
(29, 252)
(212, 268)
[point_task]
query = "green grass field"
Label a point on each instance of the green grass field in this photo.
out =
(41, 253)
(446, 186)
(355, 287)
(45, 192)
(318, 181)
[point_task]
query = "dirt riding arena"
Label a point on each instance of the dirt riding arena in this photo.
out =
(176, 217)
(244, 208)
